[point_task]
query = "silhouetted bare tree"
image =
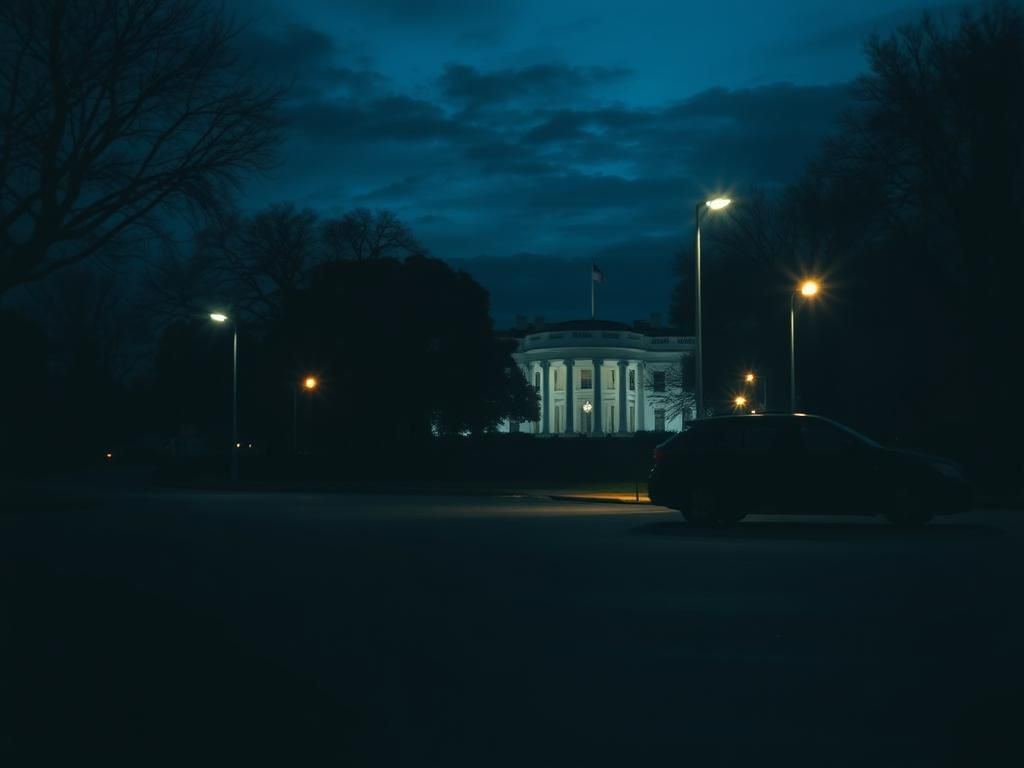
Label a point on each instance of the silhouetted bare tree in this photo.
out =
(113, 112)
(261, 259)
(363, 234)
(674, 391)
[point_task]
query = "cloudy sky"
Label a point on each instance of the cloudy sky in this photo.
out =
(523, 139)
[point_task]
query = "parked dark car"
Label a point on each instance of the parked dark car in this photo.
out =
(718, 470)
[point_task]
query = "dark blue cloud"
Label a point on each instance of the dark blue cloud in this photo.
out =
(472, 89)
(489, 162)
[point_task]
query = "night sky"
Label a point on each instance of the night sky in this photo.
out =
(522, 140)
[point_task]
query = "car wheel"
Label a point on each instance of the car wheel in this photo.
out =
(908, 509)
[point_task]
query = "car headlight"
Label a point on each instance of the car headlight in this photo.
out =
(948, 471)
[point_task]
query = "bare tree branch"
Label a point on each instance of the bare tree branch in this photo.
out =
(115, 113)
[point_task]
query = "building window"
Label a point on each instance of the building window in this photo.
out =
(586, 378)
(659, 419)
(659, 381)
(559, 382)
(536, 381)
(632, 379)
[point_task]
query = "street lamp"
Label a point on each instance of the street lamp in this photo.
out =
(220, 317)
(716, 204)
(751, 378)
(807, 289)
(309, 384)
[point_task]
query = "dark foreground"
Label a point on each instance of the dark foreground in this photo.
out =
(358, 630)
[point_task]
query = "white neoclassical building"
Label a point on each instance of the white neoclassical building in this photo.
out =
(600, 377)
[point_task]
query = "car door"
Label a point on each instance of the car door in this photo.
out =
(767, 463)
(831, 464)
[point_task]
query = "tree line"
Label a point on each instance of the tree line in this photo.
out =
(121, 120)
(909, 215)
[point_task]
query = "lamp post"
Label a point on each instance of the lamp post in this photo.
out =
(309, 384)
(711, 205)
(750, 378)
(220, 317)
(807, 289)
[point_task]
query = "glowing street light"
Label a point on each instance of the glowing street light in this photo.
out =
(750, 378)
(807, 289)
(715, 204)
(220, 317)
(308, 383)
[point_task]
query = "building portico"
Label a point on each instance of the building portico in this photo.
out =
(591, 376)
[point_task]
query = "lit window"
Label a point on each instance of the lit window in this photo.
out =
(586, 378)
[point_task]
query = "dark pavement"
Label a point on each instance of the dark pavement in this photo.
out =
(303, 629)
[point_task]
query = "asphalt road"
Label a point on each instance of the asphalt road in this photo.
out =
(223, 629)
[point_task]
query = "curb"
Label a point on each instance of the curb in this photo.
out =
(600, 500)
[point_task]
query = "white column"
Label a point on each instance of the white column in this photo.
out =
(545, 411)
(641, 406)
(570, 401)
(623, 424)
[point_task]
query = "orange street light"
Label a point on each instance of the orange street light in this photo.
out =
(309, 384)
(807, 289)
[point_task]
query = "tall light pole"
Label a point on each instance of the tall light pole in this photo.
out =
(220, 317)
(309, 384)
(750, 378)
(711, 205)
(807, 289)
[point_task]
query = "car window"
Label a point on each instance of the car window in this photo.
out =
(726, 435)
(762, 435)
(821, 437)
